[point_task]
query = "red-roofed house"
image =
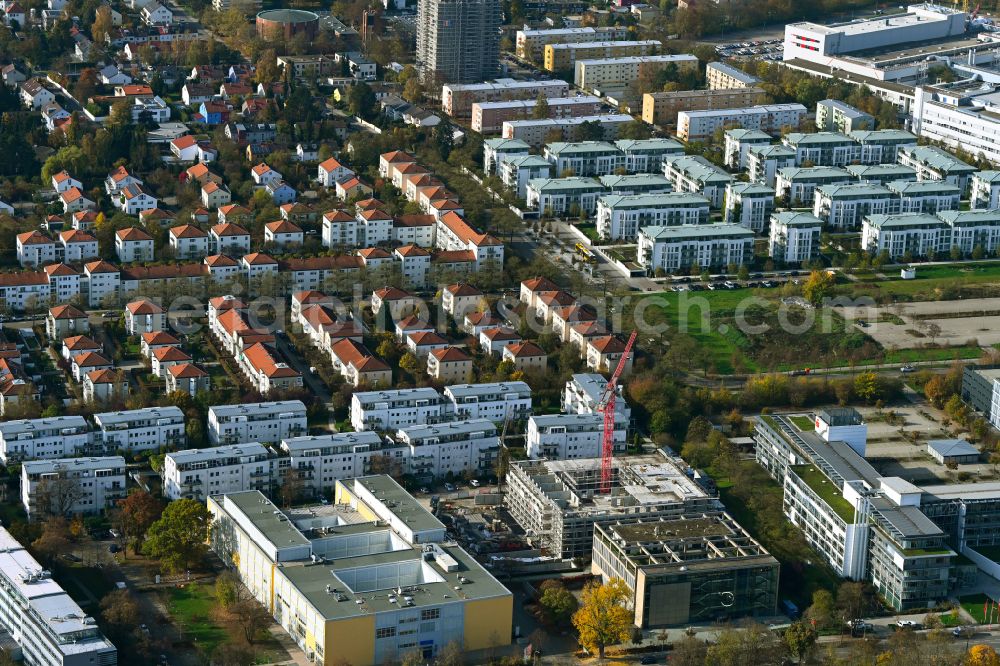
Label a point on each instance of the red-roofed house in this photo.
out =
(187, 378)
(414, 262)
(214, 195)
(89, 361)
(150, 342)
(352, 188)
(66, 320)
(398, 302)
(78, 344)
(264, 175)
(283, 234)
(450, 365)
(458, 299)
(422, 343)
(603, 354)
(73, 200)
(358, 365)
(340, 229)
(35, 248)
(266, 370)
(104, 385)
(331, 171)
(167, 357)
(144, 316)
(133, 244)
(188, 242)
(526, 356)
(78, 245)
(228, 238)
(493, 340)
(185, 148)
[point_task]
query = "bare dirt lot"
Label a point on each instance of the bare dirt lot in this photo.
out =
(907, 325)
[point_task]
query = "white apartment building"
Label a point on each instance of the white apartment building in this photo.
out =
(972, 229)
(695, 174)
(794, 237)
(457, 98)
(914, 234)
(143, 429)
(764, 161)
(530, 44)
(925, 196)
(881, 146)
(31, 439)
(71, 486)
(797, 184)
(496, 151)
(561, 196)
(985, 190)
(647, 155)
(843, 206)
(932, 163)
(706, 245)
(535, 132)
(619, 217)
(516, 172)
(47, 626)
(268, 422)
(340, 229)
(318, 462)
(738, 141)
(395, 409)
(880, 174)
(638, 183)
(496, 401)
(701, 125)
(197, 473)
(822, 148)
(471, 445)
(568, 436)
(488, 117)
(584, 158)
(749, 205)
(582, 395)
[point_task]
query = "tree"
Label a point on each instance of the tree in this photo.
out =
(101, 29)
(450, 655)
(134, 515)
(818, 286)
(291, 487)
(178, 538)
(413, 90)
(602, 619)
(361, 100)
(867, 386)
(541, 110)
(226, 589)
(800, 638)
(822, 609)
(981, 655)
(409, 363)
(57, 496)
(119, 611)
(444, 139)
(752, 644)
(54, 539)
(383, 464)
(250, 616)
(688, 651)
(558, 604)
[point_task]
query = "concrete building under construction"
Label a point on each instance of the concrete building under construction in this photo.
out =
(558, 502)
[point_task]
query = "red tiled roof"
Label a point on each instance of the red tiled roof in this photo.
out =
(186, 371)
(60, 269)
(133, 234)
(258, 259)
(163, 272)
(450, 355)
(104, 376)
(220, 261)
(100, 266)
(33, 238)
(412, 251)
(229, 229)
(159, 338)
(80, 342)
(168, 354)
(525, 350)
(187, 231)
(426, 338)
(608, 344)
(76, 236)
(500, 333)
(413, 220)
(183, 142)
(374, 253)
(392, 294)
(463, 289)
(66, 312)
(144, 307)
(90, 359)
(283, 227)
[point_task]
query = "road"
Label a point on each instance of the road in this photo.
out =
(309, 378)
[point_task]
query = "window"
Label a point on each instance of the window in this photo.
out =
(430, 614)
(385, 632)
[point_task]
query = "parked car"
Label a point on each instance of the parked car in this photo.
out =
(908, 368)
(474, 483)
(449, 487)
(906, 624)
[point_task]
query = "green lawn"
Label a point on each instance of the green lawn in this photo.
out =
(589, 229)
(803, 423)
(951, 619)
(973, 604)
(928, 280)
(192, 607)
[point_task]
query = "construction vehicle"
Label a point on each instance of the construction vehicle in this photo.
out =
(606, 406)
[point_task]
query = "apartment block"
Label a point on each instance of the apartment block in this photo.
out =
(764, 161)
(584, 158)
(880, 174)
(145, 429)
(647, 155)
(722, 76)
(985, 190)
(933, 163)
(738, 141)
(530, 44)
(797, 184)
(619, 217)
(496, 401)
(458, 41)
(489, 117)
(268, 422)
(199, 473)
(925, 196)
(672, 249)
(570, 436)
(496, 151)
(394, 409)
(71, 486)
(457, 98)
(561, 196)
(973, 230)
(31, 439)
(794, 237)
(749, 205)
(843, 206)
(640, 183)
(517, 172)
(663, 108)
(562, 57)
(906, 234)
(696, 175)
(833, 115)
(700, 125)
(537, 132)
(455, 447)
(881, 146)
(317, 462)
(613, 76)
(822, 148)
(582, 395)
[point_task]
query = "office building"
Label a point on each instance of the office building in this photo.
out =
(673, 249)
(268, 422)
(962, 115)
(71, 486)
(557, 502)
(496, 401)
(394, 409)
(143, 429)
(612, 76)
(749, 205)
(722, 76)
(457, 98)
(562, 57)
(701, 125)
(198, 473)
(738, 142)
(662, 108)
(368, 579)
(31, 439)
(794, 237)
(40, 620)
(843, 206)
(832, 115)
(696, 175)
(458, 41)
(687, 569)
(537, 132)
(619, 217)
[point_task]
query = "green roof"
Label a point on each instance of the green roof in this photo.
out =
(826, 490)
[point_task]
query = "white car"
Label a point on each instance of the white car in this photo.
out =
(474, 483)
(906, 624)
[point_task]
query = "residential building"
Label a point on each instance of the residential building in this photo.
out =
(696, 175)
(517, 171)
(46, 438)
(640, 183)
(489, 117)
(268, 422)
(188, 241)
(973, 231)
(64, 321)
(700, 125)
(449, 365)
(498, 401)
(394, 409)
(613, 76)
(71, 486)
(144, 316)
(563, 57)
(564, 196)
(881, 146)
(133, 244)
(645, 156)
(843, 206)
(536, 132)
(796, 185)
(451, 448)
(35, 249)
(229, 239)
(530, 44)
(959, 115)
(905, 234)
(458, 41)
(763, 162)
(794, 237)
(880, 174)
(663, 108)
(619, 217)
(145, 429)
(926, 196)
(722, 76)
(749, 205)
(585, 158)
(985, 190)
(457, 98)
(678, 248)
(200, 473)
(822, 148)
(932, 163)
(738, 141)
(833, 115)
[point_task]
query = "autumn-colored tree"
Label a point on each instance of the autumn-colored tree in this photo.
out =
(102, 27)
(119, 612)
(134, 515)
(981, 655)
(602, 619)
(818, 286)
(178, 539)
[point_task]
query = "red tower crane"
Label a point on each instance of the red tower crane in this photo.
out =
(607, 407)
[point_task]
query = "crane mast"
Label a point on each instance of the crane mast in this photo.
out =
(607, 407)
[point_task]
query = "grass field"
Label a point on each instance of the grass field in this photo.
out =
(973, 604)
(192, 607)
(929, 281)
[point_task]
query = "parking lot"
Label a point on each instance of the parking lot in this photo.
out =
(766, 49)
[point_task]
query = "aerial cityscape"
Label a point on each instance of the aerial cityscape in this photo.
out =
(499, 332)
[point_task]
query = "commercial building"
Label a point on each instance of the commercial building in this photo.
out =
(959, 115)
(457, 98)
(612, 76)
(909, 234)
(268, 422)
(696, 175)
(558, 503)
(286, 24)
(832, 115)
(981, 390)
(843, 206)
(143, 429)
(619, 217)
(794, 237)
(561, 196)
(721, 75)
(394, 409)
(31, 439)
(822, 148)
(647, 155)
(764, 161)
(489, 117)
(932, 163)
(687, 569)
(738, 142)
(868, 527)
(953, 451)
(797, 184)
(749, 205)
(458, 41)
(880, 174)
(198, 473)
(562, 57)
(662, 108)
(367, 580)
(452, 448)
(699, 125)
(672, 249)
(537, 132)
(496, 401)
(530, 44)
(584, 158)
(71, 486)
(46, 626)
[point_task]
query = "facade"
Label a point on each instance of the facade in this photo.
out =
(639, 183)
(530, 44)
(696, 175)
(687, 569)
(451, 448)
(613, 75)
(699, 125)
(557, 503)
(35, 439)
(489, 117)
(973, 231)
(831, 149)
(495, 401)
(832, 115)
(619, 217)
(584, 158)
(981, 390)
(563, 57)
(146, 429)
(71, 486)
(386, 586)
(720, 76)
(285, 24)
(536, 132)
(662, 108)
(959, 115)
(794, 237)
(906, 234)
(268, 422)
(394, 409)
(562, 196)
(672, 249)
(200, 473)
(458, 41)
(645, 156)
(749, 205)
(882, 146)
(796, 185)
(317, 462)
(517, 171)
(764, 161)
(495, 151)
(738, 141)
(570, 436)
(932, 163)
(45, 624)
(985, 190)
(925, 196)
(843, 206)
(457, 98)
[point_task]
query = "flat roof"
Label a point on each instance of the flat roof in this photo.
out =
(266, 517)
(248, 449)
(808, 139)
(797, 219)
(663, 200)
(169, 412)
(400, 502)
(69, 464)
(254, 408)
(696, 231)
(903, 220)
(308, 442)
(923, 187)
(572, 46)
(986, 490)
(488, 389)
